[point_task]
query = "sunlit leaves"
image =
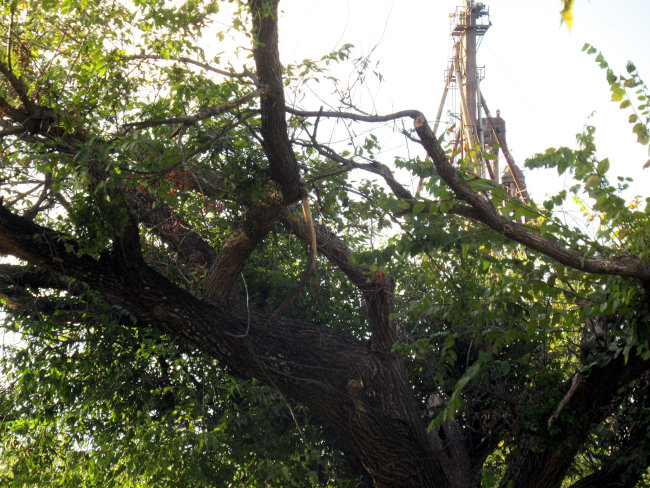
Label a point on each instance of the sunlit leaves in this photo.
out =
(604, 197)
(487, 329)
(631, 92)
(108, 404)
(567, 13)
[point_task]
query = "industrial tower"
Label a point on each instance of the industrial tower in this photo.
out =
(478, 131)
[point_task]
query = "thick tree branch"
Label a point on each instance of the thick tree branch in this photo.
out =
(362, 395)
(329, 245)
(592, 399)
(14, 282)
(487, 213)
(33, 117)
(18, 85)
(7, 109)
(275, 141)
(376, 288)
(54, 252)
(173, 231)
(27, 276)
(223, 268)
(13, 131)
(18, 281)
(241, 242)
(278, 150)
(479, 207)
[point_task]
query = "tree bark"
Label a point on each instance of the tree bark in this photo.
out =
(542, 459)
(359, 388)
(282, 160)
(364, 395)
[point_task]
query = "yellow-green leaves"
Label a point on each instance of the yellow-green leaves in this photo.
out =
(567, 13)
(630, 92)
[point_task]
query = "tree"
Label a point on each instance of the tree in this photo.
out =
(159, 210)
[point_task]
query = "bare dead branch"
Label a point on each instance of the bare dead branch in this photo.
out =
(354, 116)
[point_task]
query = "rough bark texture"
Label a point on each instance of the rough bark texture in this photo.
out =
(364, 395)
(282, 160)
(485, 212)
(241, 242)
(360, 388)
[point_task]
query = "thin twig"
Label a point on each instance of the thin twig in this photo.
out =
(154, 57)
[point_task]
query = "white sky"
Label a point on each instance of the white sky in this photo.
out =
(536, 72)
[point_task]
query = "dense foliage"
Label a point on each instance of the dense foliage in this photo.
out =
(151, 208)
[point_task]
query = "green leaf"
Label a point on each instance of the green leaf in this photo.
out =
(471, 372)
(418, 207)
(603, 166)
(618, 93)
(592, 181)
(642, 132)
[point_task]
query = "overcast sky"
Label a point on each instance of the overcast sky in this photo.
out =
(536, 72)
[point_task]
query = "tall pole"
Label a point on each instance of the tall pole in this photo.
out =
(467, 79)
(468, 56)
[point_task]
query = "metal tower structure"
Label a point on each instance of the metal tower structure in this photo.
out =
(479, 132)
